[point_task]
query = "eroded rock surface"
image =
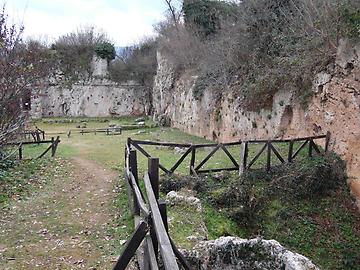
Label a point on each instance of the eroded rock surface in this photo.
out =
(230, 253)
(334, 107)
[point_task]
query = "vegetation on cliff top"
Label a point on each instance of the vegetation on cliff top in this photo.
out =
(257, 47)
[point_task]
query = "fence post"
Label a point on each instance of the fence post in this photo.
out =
(134, 171)
(38, 137)
(20, 152)
(268, 159)
(52, 147)
(133, 164)
(192, 160)
(243, 157)
(310, 147)
(327, 142)
(290, 153)
(153, 168)
(163, 212)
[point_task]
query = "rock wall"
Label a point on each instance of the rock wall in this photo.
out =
(228, 253)
(334, 107)
(98, 98)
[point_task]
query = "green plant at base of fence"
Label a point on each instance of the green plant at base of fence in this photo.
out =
(305, 206)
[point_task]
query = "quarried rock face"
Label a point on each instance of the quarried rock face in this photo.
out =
(334, 107)
(230, 253)
(97, 98)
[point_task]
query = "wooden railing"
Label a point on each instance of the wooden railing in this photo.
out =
(36, 135)
(151, 227)
(107, 131)
(53, 146)
(267, 147)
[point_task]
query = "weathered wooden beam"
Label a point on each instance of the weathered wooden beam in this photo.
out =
(316, 148)
(165, 246)
(163, 212)
(243, 157)
(277, 154)
(138, 196)
(230, 156)
(167, 144)
(290, 153)
(193, 159)
(268, 157)
(153, 170)
(20, 152)
(204, 145)
(310, 149)
(327, 142)
(300, 148)
(131, 246)
(288, 140)
(129, 191)
(218, 170)
(133, 164)
(257, 156)
(28, 143)
(146, 154)
(180, 257)
(208, 157)
(177, 164)
(151, 255)
(192, 169)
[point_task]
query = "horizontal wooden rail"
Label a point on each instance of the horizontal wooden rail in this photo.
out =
(138, 196)
(29, 143)
(152, 213)
(166, 250)
(242, 165)
(288, 140)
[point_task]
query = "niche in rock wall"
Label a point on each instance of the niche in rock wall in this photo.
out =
(64, 108)
(286, 118)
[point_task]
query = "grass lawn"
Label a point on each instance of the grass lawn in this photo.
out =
(108, 151)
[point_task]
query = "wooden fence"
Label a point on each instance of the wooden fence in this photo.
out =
(151, 237)
(53, 146)
(36, 135)
(107, 131)
(267, 147)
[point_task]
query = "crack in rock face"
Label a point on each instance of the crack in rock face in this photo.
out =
(230, 253)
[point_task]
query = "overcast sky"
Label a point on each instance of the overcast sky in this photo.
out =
(125, 21)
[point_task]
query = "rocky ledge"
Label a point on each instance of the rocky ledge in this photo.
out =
(230, 253)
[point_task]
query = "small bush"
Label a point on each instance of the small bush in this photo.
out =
(137, 63)
(105, 50)
(254, 48)
(74, 52)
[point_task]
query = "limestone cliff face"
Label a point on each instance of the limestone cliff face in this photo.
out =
(334, 107)
(97, 97)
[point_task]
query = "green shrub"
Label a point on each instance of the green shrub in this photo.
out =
(105, 50)
(352, 18)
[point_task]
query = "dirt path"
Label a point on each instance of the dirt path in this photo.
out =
(65, 225)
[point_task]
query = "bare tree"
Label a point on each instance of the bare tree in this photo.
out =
(22, 67)
(175, 13)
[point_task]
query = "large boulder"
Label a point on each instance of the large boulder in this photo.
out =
(230, 253)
